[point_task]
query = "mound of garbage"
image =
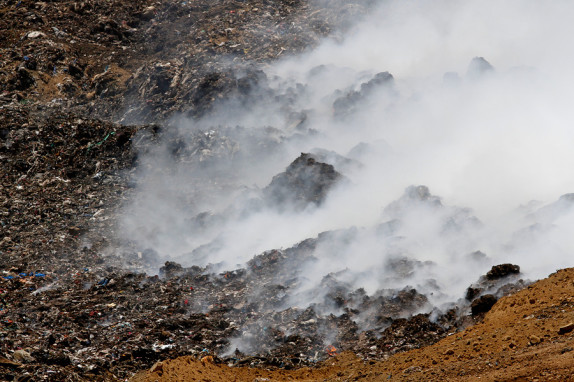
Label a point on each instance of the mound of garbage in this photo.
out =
(133, 153)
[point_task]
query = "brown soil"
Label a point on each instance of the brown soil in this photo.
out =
(519, 340)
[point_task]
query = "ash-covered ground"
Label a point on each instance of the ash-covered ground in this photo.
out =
(271, 182)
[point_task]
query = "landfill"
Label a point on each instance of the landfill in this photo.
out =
(87, 91)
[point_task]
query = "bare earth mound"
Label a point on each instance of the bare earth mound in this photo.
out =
(527, 336)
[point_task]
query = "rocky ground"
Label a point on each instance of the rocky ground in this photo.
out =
(82, 85)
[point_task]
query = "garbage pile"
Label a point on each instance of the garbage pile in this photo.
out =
(142, 63)
(61, 180)
(304, 181)
(71, 311)
(61, 173)
(67, 54)
(71, 306)
(101, 322)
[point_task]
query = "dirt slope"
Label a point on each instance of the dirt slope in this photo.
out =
(524, 337)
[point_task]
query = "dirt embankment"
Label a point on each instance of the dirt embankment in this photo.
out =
(527, 336)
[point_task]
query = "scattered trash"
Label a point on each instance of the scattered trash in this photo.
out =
(35, 34)
(102, 141)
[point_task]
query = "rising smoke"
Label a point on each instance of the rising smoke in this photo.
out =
(470, 99)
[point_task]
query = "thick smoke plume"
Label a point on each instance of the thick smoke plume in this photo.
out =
(442, 132)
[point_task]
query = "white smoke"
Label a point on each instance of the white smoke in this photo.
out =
(485, 141)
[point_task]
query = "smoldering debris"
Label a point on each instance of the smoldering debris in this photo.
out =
(305, 181)
(265, 256)
(415, 258)
(349, 103)
(239, 317)
(478, 68)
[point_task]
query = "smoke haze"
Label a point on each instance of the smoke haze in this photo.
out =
(476, 106)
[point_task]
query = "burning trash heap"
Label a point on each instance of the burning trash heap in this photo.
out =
(243, 183)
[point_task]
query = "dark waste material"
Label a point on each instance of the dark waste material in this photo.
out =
(502, 270)
(305, 181)
(483, 304)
